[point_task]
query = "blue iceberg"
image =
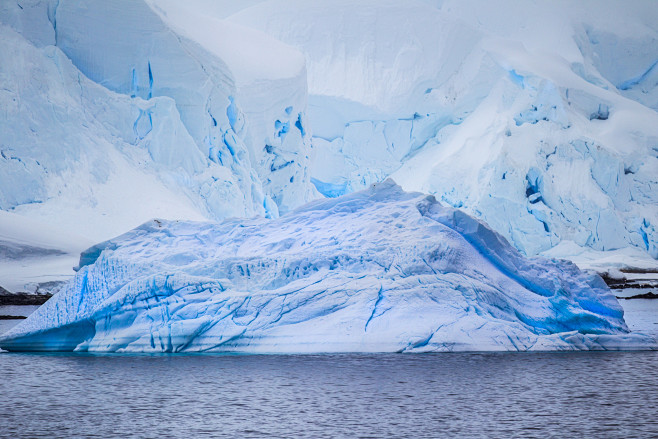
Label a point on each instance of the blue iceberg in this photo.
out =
(380, 270)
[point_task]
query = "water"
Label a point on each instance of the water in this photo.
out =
(641, 315)
(14, 310)
(597, 394)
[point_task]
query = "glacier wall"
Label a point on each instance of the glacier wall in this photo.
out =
(538, 118)
(233, 86)
(542, 122)
(379, 270)
(69, 146)
(133, 115)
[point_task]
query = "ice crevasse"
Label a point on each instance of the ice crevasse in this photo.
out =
(380, 270)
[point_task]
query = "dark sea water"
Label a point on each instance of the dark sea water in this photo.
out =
(566, 395)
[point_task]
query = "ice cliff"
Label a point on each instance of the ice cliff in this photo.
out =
(118, 112)
(379, 270)
(539, 118)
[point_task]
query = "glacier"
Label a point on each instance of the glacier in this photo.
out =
(115, 113)
(380, 270)
(538, 118)
(542, 121)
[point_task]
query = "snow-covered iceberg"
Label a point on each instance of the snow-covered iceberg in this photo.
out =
(379, 270)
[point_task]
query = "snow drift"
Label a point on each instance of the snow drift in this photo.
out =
(380, 270)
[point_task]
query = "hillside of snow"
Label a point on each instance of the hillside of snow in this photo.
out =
(119, 112)
(379, 270)
(538, 118)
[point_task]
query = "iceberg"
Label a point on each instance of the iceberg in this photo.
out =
(380, 270)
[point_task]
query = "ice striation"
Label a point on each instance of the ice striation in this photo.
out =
(380, 270)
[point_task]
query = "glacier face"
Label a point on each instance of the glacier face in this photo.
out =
(120, 112)
(73, 151)
(538, 118)
(542, 122)
(379, 270)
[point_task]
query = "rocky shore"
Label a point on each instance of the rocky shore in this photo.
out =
(8, 298)
(627, 281)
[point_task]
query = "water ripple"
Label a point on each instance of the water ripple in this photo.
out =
(595, 394)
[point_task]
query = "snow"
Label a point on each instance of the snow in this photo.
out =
(33, 19)
(601, 261)
(465, 99)
(127, 117)
(252, 57)
(380, 270)
(371, 52)
(34, 253)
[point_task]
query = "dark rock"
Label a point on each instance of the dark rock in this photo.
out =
(622, 283)
(649, 295)
(23, 298)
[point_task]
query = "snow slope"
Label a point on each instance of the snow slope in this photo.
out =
(538, 117)
(137, 113)
(377, 270)
(86, 160)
